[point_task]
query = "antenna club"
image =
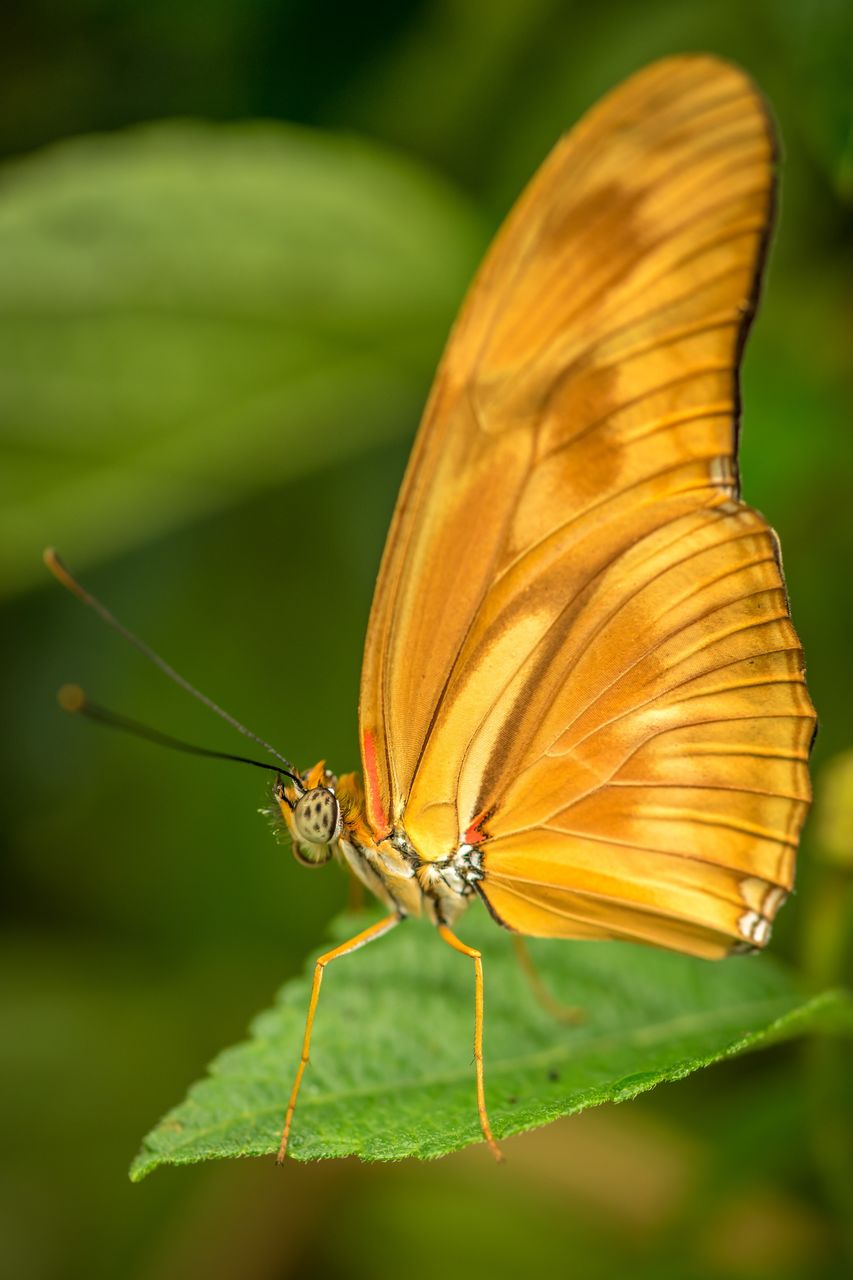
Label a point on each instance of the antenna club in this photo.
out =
(52, 560)
(71, 697)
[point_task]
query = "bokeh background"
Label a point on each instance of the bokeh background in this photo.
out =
(216, 337)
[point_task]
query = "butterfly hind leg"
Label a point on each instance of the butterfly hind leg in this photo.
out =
(567, 1013)
(360, 940)
(452, 941)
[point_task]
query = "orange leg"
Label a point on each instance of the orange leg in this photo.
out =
(360, 940)
(562, 1012)
(452, 941)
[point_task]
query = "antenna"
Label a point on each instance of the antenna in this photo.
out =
(62, 574)
(72, 698)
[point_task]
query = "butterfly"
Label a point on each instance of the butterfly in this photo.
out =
(582, 697)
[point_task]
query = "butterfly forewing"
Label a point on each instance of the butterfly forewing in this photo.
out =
(580, 655)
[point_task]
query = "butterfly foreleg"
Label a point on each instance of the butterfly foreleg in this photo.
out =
(452, 941)
(360, 940)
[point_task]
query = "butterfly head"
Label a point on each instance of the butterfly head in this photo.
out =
(312, 814)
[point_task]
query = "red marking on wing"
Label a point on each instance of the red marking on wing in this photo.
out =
(376, 814)
(475, 832)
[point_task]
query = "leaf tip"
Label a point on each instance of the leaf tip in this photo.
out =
(141, 1167)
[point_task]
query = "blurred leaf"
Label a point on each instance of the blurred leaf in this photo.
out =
(190, 312)
(391, 1076)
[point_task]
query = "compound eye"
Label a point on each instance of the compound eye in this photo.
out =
(317, 816)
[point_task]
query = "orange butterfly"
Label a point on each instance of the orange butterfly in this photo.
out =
(582, 696)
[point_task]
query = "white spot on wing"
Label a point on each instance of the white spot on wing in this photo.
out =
(762, 898)
(774, 900)
(754, 927)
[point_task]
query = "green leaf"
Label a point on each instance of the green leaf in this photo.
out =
(391, 1073)
(193, 312)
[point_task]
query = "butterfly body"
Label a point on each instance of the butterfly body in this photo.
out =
(390, 867)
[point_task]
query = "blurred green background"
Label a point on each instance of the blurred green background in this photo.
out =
(216, 337)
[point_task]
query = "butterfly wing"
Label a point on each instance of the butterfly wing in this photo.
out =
(579, 655)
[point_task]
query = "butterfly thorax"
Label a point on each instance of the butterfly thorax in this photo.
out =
(327, 818)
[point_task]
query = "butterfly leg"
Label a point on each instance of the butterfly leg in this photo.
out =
(360, 940)
(567, 1013)
(452, 941)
